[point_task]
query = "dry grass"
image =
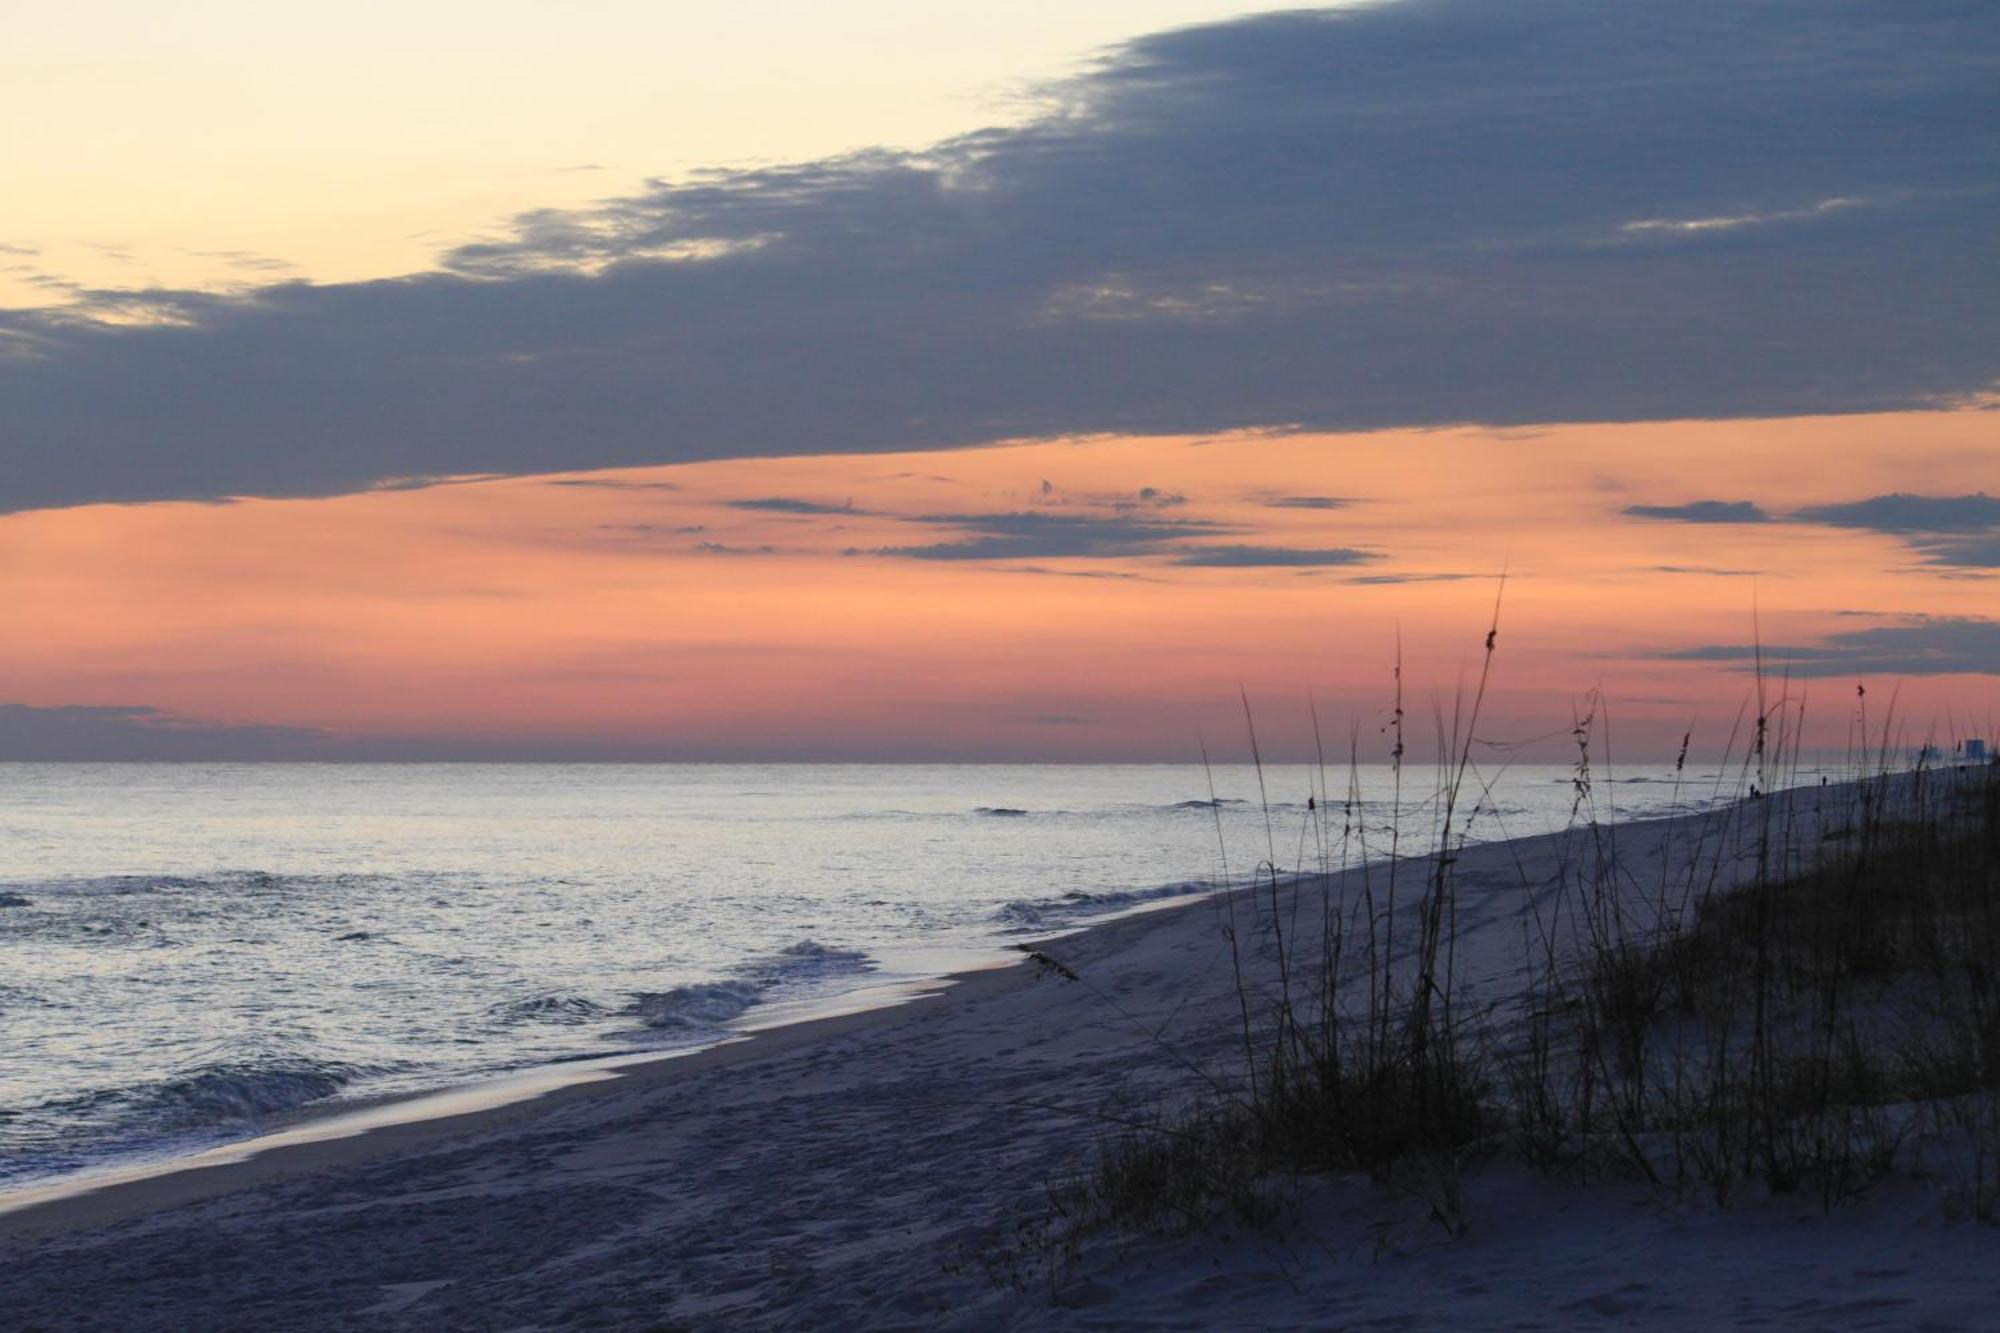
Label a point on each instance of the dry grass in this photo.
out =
(1813, 1028)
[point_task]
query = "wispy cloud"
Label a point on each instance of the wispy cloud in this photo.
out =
(612, 484)
(1121, 575)
(724, 548)
(1041, 535)
(1387, 580)
(1707, 570)
(1273, 557)
(678, 529)
(778, 504)
(1727, 222)
(1307, 502)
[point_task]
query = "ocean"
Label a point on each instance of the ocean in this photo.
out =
(190, 952)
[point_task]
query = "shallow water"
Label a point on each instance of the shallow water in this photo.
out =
(188, 951)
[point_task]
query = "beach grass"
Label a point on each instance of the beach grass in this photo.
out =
(1794, 993)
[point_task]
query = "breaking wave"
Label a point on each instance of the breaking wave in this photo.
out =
(249, 1090)
(705, 1004)
(810, 959)
(794, 972)
(228, 1092)
(1023, 915)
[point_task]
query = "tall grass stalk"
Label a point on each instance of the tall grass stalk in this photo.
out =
(1800, 992)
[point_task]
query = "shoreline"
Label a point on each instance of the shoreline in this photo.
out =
(330, 1135)
(336, 1136)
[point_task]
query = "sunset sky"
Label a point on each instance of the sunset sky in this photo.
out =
(890, 381)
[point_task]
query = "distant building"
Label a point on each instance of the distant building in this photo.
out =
(1975, 751)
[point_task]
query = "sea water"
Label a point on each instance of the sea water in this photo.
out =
(190, 951)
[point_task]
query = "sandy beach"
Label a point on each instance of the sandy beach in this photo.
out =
(891, 1169)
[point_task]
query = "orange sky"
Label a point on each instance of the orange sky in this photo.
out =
(643, 615)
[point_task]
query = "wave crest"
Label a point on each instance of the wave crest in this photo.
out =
(248, 1090)
(792, 972)
(704, 1004)
(220, 1093)
(1022, 915)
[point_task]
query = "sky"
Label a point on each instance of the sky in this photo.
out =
(224, 144)
(883, 381)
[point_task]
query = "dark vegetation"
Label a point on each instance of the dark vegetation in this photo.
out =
(1795, 994)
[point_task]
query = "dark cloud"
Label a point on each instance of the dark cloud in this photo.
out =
(1308, 502)
(1962, 531)
(1059, 720)
(1916, 646)
(1956, 531)
(1259, 557)
(1045, 536)
(1702, 511)
(778, 504)
(1423, 212)
(1903, 513)
(113, 732)
(1961, 552)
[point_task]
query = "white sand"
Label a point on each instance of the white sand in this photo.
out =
(876, 1171)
